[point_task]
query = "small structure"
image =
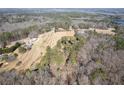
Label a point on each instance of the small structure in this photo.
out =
(28, 44)
(32, 38)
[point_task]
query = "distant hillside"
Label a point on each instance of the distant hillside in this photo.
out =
(42, 10)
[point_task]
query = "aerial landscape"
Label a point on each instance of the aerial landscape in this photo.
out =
(61, 46)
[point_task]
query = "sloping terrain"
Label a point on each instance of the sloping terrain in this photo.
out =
(34, 56)
(97, 63)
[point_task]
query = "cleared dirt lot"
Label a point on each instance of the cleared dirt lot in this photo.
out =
(34, 56)
(108, 31)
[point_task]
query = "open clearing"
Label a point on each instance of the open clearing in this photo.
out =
(32, 57)
(108, 31)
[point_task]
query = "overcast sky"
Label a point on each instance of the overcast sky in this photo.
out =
(61, 3)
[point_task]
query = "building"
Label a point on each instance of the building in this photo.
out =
(32, 37)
